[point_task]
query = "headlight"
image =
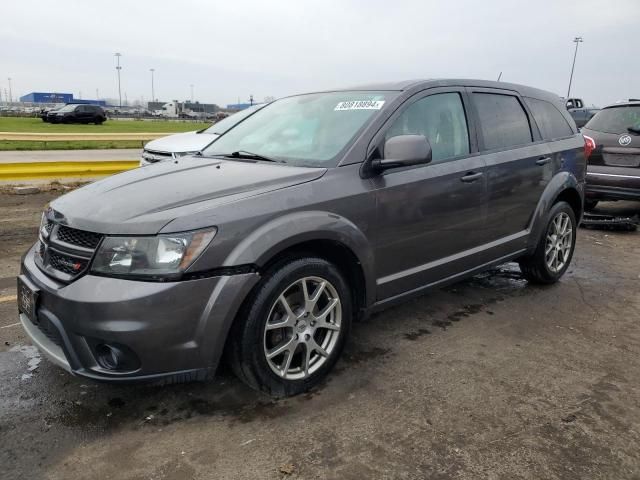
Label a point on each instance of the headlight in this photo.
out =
(184, 154)
(165, 256)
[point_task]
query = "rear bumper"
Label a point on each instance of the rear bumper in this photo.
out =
(173, 330)
(613, 183)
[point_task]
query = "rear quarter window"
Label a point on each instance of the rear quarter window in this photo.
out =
(551, 122)
(503, 121)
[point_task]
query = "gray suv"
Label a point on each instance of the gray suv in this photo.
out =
(317, 210)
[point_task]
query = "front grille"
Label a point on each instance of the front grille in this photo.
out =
(48, 227)
(66, 252)
(78, 237)
(66, 263)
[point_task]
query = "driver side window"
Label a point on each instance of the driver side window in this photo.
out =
(441, 119)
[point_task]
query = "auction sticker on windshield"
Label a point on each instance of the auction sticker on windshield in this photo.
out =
(360, 105)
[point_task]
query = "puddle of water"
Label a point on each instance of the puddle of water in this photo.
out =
(32, 354)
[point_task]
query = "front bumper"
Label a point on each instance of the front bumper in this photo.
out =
(175, 330)
(612, 183)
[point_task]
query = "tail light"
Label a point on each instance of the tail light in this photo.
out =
(589, 146)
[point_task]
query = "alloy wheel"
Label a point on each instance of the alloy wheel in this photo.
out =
(559, 242)
(303, 328)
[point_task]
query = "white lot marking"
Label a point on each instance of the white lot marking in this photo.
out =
(12, 325)
(33, 354)
(8, 298)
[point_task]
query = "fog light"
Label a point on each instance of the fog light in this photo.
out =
(110, 357)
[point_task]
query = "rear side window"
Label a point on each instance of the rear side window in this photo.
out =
(616, 119)
(503, 121)
(441, 119)
(551, 122)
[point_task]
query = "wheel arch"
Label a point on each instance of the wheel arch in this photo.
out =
(563, 187)
(322, 234)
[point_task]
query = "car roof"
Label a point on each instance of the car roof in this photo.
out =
(627, 103)
(417, 84)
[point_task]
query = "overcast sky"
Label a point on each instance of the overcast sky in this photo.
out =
(229, 49)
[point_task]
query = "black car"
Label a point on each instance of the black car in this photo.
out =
(613, 171)
(315, 210)
(76, 113)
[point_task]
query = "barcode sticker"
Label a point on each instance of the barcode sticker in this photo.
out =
(360, 105)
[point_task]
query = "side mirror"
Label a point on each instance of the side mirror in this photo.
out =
(404, 151)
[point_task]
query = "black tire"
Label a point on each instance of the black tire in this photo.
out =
(246, 351)
(590, 204)
(534, 267)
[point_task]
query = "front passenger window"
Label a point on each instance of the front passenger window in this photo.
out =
(441, 119)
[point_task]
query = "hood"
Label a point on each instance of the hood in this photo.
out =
(143, 200)
(181, 142)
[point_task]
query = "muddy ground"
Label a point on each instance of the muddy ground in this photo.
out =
(491, 378)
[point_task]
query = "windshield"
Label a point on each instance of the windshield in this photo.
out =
(616, 119)
(225, 124)
(305, 130)
(67, 108)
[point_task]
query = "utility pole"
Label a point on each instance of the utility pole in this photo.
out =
(118, 68)
(577, 41)
(10, 93)
(153, 93)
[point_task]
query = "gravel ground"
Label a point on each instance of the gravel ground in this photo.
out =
(490, 378)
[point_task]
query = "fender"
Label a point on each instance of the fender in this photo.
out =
(284, 232)
(561, 182)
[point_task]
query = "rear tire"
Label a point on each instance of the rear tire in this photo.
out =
(555, 248)
(292, 328)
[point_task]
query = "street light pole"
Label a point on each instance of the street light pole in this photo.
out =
(153, 93)
(577, 41)
(10, 93)
(192, 93)
(118, 68)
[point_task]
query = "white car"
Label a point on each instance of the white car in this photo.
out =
(190, 143)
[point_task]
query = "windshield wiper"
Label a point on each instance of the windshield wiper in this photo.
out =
(250, 156)
(634, 130)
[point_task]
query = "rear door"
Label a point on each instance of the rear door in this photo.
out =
(81, 113)
(430, 217)
(519, 163)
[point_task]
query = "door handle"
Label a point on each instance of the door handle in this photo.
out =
(543, 161)
(471, 177)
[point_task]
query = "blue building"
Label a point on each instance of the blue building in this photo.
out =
(238, 106)
(51, 97)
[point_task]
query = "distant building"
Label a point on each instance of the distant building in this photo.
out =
(53, 97)
(239, 106)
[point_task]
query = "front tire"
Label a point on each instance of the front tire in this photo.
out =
(555, 248)
(293, 327)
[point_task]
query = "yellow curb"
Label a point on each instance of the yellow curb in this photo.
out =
(51, 170)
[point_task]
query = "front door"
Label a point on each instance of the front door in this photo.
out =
(430, 217)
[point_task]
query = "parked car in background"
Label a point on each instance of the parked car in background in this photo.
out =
(315, 210)
(613, 172)
(76, 113)
(190, 143)
(580, 114)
